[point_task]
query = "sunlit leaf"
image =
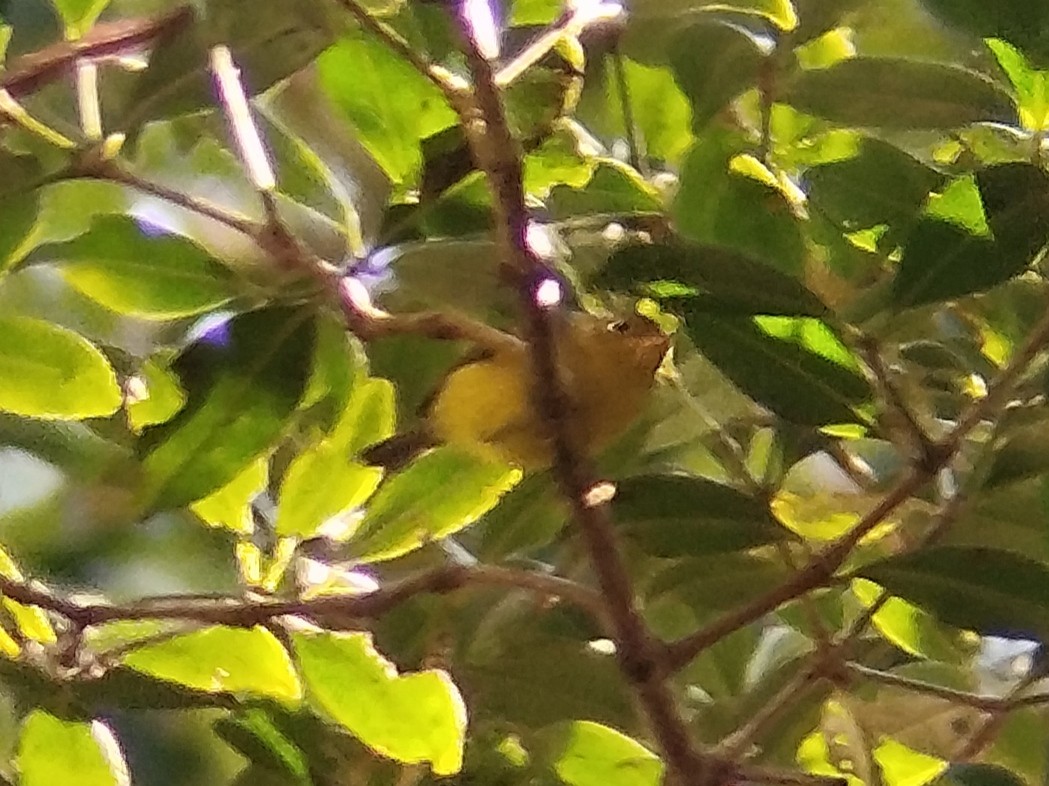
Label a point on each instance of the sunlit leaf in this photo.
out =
(595, 755)
(438, 494)
(49, 372)
(231, 660)
(412, 718)
(52, 751)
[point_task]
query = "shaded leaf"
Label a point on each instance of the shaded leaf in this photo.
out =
(613, 188)
(219, 659)
(980, 775)
(243, 379)
(49, 372)
(255, 736)
(19, 203)
(1023, 454)
(791, 379)
(735, 202)
(1021, 23)
(942, 260)
(714, 61)
(737, 283)
(412, 718)
(997, 593)
(679, 515)
(879, 185)
(269, 44)
(897, 93)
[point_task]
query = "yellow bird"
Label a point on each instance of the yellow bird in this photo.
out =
(485, 404)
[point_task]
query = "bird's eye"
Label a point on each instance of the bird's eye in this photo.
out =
(621, 326)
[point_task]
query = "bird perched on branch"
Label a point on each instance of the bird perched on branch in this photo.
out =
(486, 403)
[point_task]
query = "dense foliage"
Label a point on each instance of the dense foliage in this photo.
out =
(826, 555)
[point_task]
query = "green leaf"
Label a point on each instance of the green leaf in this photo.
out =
(390, 105)
(995, 593)
(661, 111)
(883, 92)
(220, 659)
(79, 15)
(230, 506)
(323, 481)
(255, 736)
(243, 379)
(135, 269)
(714, 62)
(273, 42)
(369, 417)
(1023, 454)
(943, 260)
(338, 363)
(1031, 86)
(412, 718)
(49, 372)
(910, 628)
(53, 751)
(797, 380)
(980, 775)
(595, 755)
(680, 515)
(159, 398)
(32, 621)
(733, 201)
(613, 188)
(880, 184)
(438, 494)
(1023, 24)
(19, 204)
(736, 282)
(959, 203)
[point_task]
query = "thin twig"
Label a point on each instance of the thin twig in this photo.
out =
(342, 609)
(627, 109)
(980, 702)
(451, 86)
(985, 734)
(571, 22)
(32, 71)
(498, 156)
(917, 442)
(816, 573)
(115, 173)
(1000, 387)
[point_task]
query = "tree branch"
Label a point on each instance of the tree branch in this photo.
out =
(497, 154)
(331, 610)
